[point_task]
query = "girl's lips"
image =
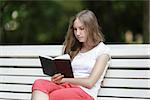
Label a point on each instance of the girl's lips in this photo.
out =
(80, 37)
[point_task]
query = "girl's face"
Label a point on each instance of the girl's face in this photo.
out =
(80, 31)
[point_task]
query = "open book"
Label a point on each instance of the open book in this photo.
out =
(60, 64)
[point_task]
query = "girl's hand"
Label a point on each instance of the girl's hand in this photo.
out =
(57, 78)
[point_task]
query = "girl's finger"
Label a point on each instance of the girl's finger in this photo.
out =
(56, 75)
(58, 78)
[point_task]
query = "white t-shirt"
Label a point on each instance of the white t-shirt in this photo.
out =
(83, 63)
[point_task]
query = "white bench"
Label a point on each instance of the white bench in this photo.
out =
(127, 78)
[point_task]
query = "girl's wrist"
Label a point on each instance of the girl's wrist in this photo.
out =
(63, 80)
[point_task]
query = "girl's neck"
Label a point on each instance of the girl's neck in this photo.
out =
(87, 46)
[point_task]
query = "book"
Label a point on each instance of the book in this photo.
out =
(60, 64)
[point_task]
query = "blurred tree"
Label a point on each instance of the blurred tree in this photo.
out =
(146, 22)
(37, 22)
(118, 16)
(46, 22)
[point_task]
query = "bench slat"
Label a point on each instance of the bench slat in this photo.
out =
(128, 73)
(20, 62)
(130, 50)
(131, 83)
(15, 87)
(20, 79)
(122, 50)
(19, 96)
(113, 98)
(15, 96)
(30, 50)
(141, 93)
(114, 73)
(130, 63)
(120, 92)
(121, 63)
(99, 98)
(21, 71)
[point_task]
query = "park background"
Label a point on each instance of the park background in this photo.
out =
(46, 21)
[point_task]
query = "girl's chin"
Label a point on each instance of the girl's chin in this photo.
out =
(81, 41)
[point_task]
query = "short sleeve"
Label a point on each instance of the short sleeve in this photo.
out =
(103, 49)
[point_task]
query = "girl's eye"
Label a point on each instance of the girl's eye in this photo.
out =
(75, 29)
(81, 28)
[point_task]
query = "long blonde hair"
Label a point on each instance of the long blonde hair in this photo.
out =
(71, 45)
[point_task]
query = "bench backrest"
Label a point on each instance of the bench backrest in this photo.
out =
(128, 76)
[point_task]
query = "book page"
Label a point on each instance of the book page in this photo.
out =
(60, 64)
(47, 57)
(65, 56)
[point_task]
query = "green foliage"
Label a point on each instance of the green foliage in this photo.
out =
(39, 21)
(46, 22)
(118, 16)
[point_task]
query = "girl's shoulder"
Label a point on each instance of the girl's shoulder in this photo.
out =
(102, 45)
(102, 48)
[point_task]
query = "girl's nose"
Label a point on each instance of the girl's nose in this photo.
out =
(78, 32)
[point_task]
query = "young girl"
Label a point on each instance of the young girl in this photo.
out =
(89, 59)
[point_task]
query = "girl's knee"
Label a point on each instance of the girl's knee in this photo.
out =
(42, 82)
(39, 83)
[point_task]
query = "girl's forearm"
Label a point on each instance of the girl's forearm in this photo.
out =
(85, 82)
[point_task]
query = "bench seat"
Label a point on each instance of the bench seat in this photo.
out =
(127, 78)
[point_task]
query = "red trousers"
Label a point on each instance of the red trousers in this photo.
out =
(64, 91)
